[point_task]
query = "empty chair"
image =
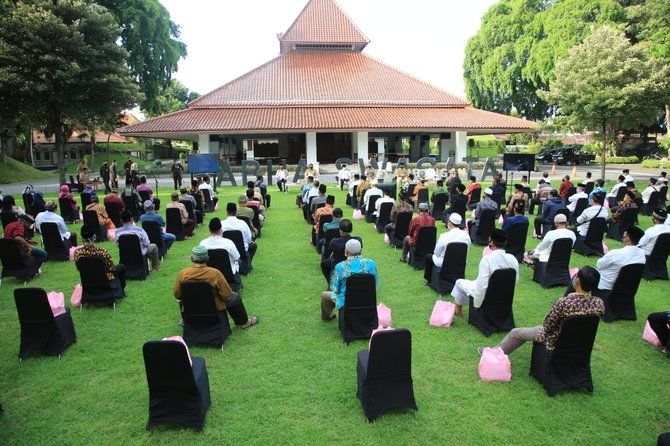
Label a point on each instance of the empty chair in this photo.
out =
(91, 220)
(54, 245)
(219, 259)
(114, 213)
(516, 240)
(569, 364)
(96, 287)
(245, 260)
(384, 373)
(425, 244)
(592, 243)
(475, 198)
(203, 322)
(174, 224)
(620, 302)
(369, 212)
(154, 232)
(401, 230)
(556, 271)
(178, 389)
(358, 316)
(453, 268)
(496, 312)
(656, 266)
(66, 211)
(130, 254)
(439, 204)
(480, 234)
(14, 264)
(41, 332)
(625, 221)
(384, 216)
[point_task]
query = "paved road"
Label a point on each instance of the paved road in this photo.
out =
(637, 171)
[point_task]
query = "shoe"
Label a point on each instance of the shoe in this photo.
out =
(480, 350)
(426, 283)
(403, 260)
(254, 320)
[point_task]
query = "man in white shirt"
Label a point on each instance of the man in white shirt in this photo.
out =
(282, 178)
(648, 241)
(343, 176)
(627, 176)
(454, 235)
(651, 188)
(356, 182)
(232, 223)
(205, 185)
(373, 191)
(615, 189)
(596, 210)
(572, 199)
(611, 263)
(542, 252)
(385, 199)
(215, 241)
(498, 259)
(50, 216)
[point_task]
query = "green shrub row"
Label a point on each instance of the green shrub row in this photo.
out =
(655, 164)
(619, 159)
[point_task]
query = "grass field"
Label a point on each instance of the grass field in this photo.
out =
(291, 380)
(14, 171)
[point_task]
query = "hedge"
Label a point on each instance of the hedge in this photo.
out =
(655, 164)
(619, 159)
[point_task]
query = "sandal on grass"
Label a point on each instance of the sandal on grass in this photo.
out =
(253, 321)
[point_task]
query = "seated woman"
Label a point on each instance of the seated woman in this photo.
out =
(519, 209)
(65, 193)
(115, 273)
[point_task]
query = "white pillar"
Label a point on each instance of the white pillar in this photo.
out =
(203, 143)
(360, 140)
(447, 148)
(310, 143)
(380, 146)
(461, 146)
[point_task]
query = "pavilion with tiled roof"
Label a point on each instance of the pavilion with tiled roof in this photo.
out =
(323, 98)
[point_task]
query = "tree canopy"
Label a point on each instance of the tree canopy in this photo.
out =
(174, 98)
(60, 66)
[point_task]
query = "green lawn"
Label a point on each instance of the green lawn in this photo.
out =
(291, 380)
(14, 171)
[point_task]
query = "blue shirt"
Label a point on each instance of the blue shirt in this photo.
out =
(344, 269)
(152, 216)
(596, 190)
(509, 221)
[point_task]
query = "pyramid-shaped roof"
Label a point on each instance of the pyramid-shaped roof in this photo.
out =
(322, 24)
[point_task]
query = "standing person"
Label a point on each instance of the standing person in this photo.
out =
(177, 170)
(126, 166)
(114, 175)
(282, 178)
(104, 174)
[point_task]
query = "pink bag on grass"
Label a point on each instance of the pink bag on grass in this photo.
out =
(180, 339)
(387, 239)
(443, 314)
(75, 300)
(501, 220)
(605, 248)
(494, 365)
(111, 234)
(57, 302)
(380, 328)
(72, 250)
(384, 315)
(358, 215)
(649, 335)
(573, 272)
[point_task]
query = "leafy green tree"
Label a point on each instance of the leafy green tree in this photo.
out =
(61, 66)
(174, 98)
(606, 83)
(152, 41)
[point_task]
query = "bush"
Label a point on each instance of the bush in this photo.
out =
(533, 148)
(655, 164)
(619, 159)
(553, 143)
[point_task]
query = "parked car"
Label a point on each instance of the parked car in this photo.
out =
(572, 155)
(545, 156)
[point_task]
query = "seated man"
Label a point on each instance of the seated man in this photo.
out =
(334, 224)
(541, 194)
(318, 199)
(519, 209)
(385, 199)
(232, 223)
(486, 203)
(611, 263)
(596, 210)
(282, 178)
(185, 196)
(579, 303)
(563, 188)
(659, 323)
(215, 241)
(17, 230)
(326, 210)
(472, 186)
(599, 189)
(611, 196)
(417, 188)
(301, 199)
(50, 216)
(439, 190)
(418, 222)
(362, 188)
(498, 259)
(518, 194)
(454, 235)
(205, 185)
(343, 176)
(542, 252)
(551, 207)
(354, 264)
(246, 213)
(459, 203)
(658, 218)
(130, 191)
(651, 188)
(402, 206)
(374, 191)
(355, 182)
(116, 274)
(224, 297)
(572, 199)
(150, 215)
(189, 225)
(338, 244)
(148, 249)
(145, 187)
(101, 212)
(114, 198)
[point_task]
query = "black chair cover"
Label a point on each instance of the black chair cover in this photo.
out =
(219, 259)
(96, 288)
(384, 217)
(654, 199)
(91, 220)
(410, 193)
(626, 220)
(425, 244)
(555, 272)
(66, 211)
(620, 303)
(439, 204)
(369, 212)
(245, 261)
(144, 195)
(256, 222)
(174, 224)
(496, 312)
(592, 244)
(132, 205)
(487, 221)
(13, 264)
(154, 231)
(55, 247)
(475, 198)
(656, 266)
(401, 230)
(358, 317)
(7, 218)
(178, 391)
(516, 240)
(130, 254)
(569, 364)
(85, 199)
(582, 204)
(114, 213)
(191, 212)
(208, 203)
(453, 268)
(41, 332)
(330, 234)
(422, 196)
(384, 373)
(203, 323)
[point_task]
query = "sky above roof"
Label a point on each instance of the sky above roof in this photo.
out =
(226, 39)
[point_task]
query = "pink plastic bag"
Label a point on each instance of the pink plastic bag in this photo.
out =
(384, 315)
(573, 272)
(216, 208)
(375, 331)
(443, 314)
(486, 251)
(649, 335)
(72, 250)
(606, 205)
(495, 365)
(605, 248)
(387, 239)
(180, 339)
(111, 234)
(81, 217)
(75, 300)
(358, 215)
(501, 220)
(57, 302)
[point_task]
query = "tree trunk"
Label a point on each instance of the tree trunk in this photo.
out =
(92, 152)
(109, 136)
(59, 133)
(667, 119)
(604, 152)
